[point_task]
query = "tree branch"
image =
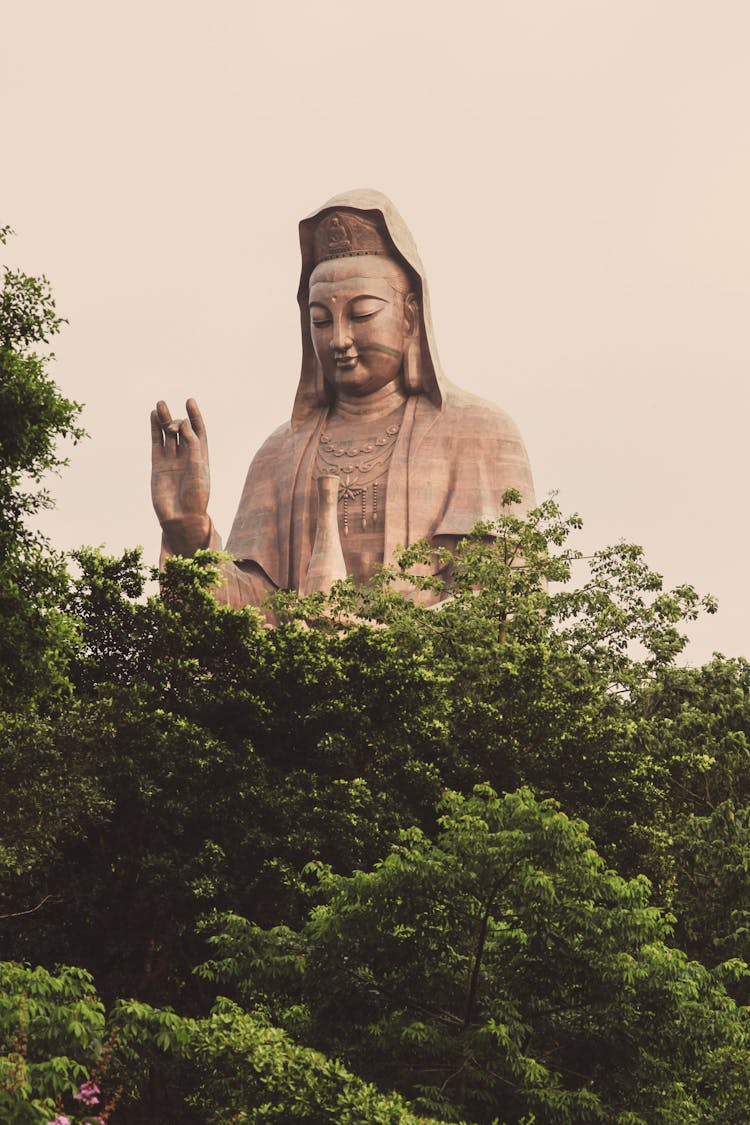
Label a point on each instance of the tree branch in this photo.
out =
(21, 913)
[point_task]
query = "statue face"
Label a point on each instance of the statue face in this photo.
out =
(360, 320)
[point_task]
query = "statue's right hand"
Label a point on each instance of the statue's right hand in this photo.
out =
(180, 480)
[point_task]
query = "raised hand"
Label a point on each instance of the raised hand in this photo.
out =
(180, 479)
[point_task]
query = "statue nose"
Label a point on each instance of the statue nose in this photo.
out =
(341, 343)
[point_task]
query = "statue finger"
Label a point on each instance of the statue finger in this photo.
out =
(163, 412)
(157, 433)
(196, 420)
(170, 428)
(166, 443)
(182, 427)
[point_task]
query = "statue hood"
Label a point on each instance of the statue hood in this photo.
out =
(311, 392)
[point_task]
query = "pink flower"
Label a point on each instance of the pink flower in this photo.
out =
(88, 1093)
(61, 1119)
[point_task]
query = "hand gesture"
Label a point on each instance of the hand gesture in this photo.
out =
(180, 480)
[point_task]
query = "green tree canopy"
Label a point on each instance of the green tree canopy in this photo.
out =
(34, 416)
(497, 970)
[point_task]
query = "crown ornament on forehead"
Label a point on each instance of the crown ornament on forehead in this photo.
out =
(344, 234)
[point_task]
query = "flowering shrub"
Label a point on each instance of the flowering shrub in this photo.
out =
(88, 1095)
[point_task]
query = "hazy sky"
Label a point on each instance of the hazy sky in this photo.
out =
(576, 175)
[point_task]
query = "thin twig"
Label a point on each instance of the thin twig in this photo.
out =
(21, 913)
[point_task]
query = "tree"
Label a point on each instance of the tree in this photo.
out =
(204, 760)
(51, 1031)
(63, 1056)
(693, 728)
(36, 639)
(500, 969)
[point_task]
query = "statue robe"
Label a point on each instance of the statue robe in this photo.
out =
(449, 469)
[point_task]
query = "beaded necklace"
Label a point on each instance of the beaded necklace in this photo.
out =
(360, 469)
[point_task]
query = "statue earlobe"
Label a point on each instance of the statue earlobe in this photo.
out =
(412, 368)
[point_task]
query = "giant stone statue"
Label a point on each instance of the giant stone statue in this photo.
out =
(381, 449)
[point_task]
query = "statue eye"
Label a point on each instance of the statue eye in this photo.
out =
(363, 310)
(321, 321)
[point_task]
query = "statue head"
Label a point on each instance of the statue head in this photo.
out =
(363, 305)
(364, 323)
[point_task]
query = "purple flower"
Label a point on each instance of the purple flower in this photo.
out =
(88, 1093)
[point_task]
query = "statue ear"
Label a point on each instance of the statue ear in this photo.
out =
(412, 368)
(411, 314)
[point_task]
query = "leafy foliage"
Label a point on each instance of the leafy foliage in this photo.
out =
(51, 1031)
(35, 640)
(693, 729)
(56, 1046)
(255, 1073)
(499, 968)
(211, 759)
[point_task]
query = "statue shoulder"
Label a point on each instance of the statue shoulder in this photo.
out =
(472, 416)
(278, 446)
(486, 454)
(282, 436)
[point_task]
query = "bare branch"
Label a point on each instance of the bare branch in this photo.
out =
(21, 913)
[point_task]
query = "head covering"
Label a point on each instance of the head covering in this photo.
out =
(395, 236)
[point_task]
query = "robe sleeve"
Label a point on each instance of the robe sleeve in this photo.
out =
(241, 584)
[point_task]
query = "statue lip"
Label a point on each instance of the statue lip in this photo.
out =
(346, 361)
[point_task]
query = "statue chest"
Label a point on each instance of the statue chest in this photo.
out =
(360, 458)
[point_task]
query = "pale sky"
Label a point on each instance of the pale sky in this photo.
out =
(577, 178)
